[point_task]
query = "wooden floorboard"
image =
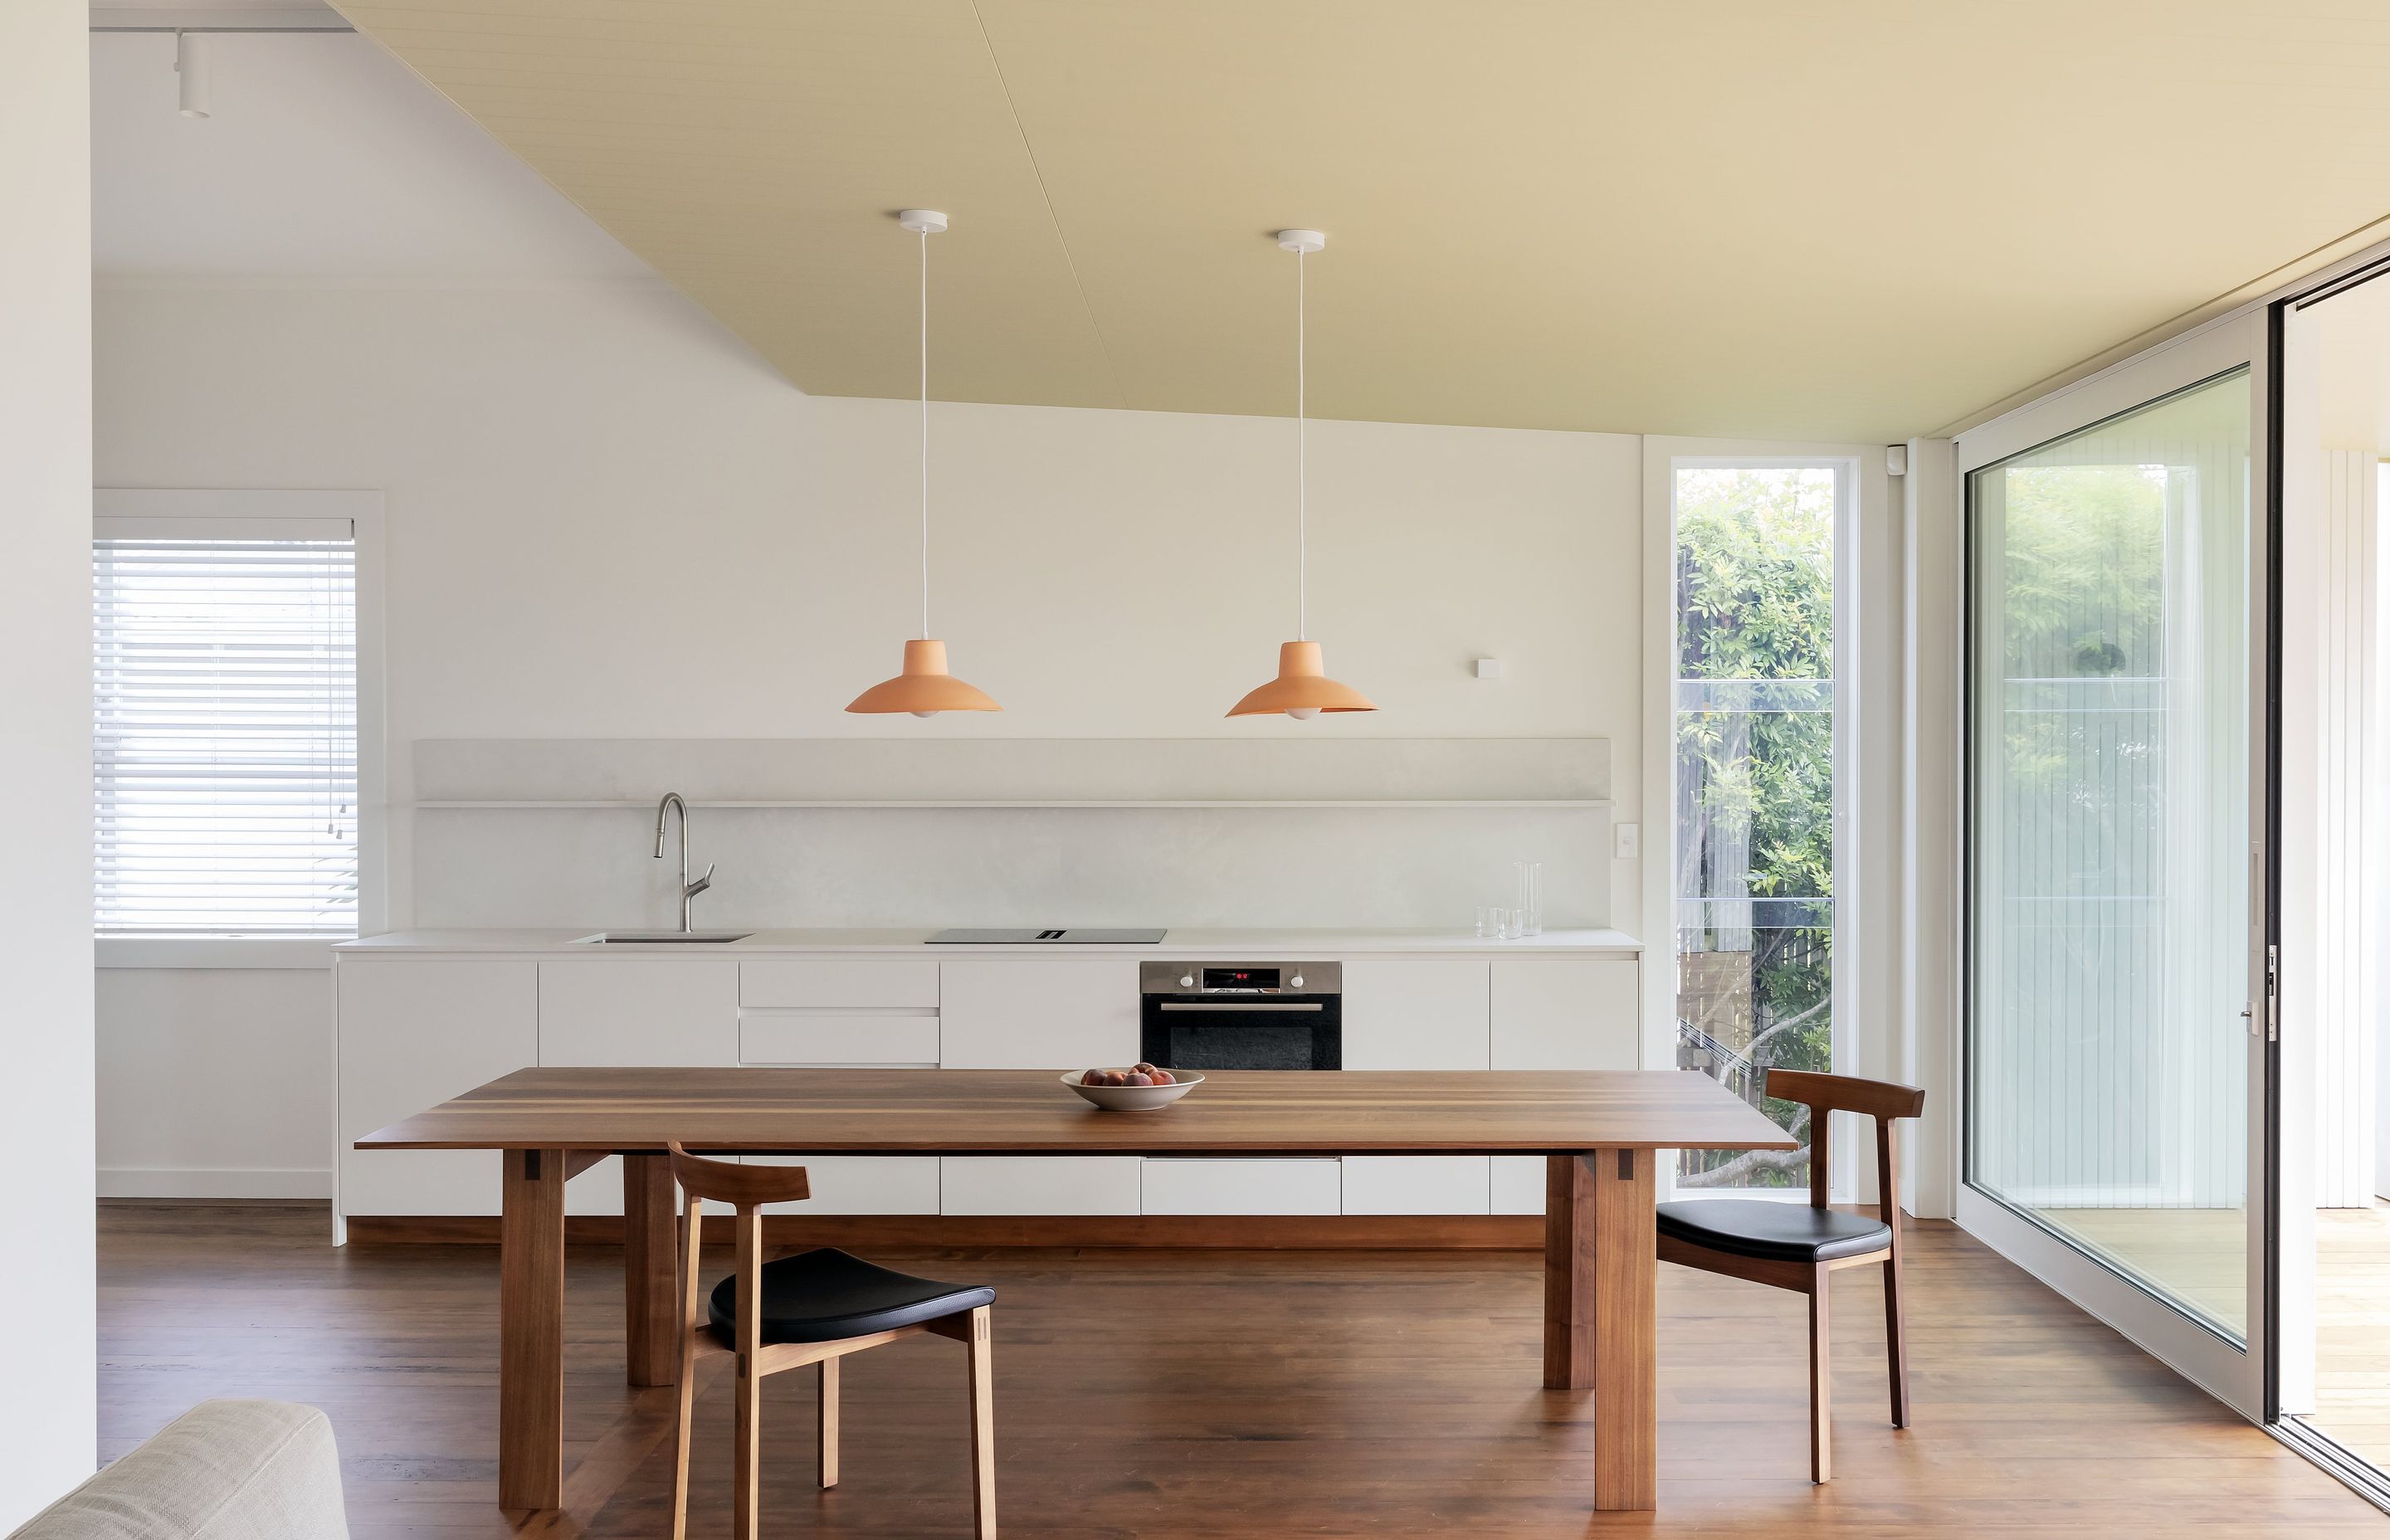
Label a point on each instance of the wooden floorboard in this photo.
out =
(1211, 1393)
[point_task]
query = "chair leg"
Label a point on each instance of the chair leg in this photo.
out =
(1895, 1340)
(747, 1462)
(828, 1421)
(1822, 1382)
(982, 1412)
(692, 1231)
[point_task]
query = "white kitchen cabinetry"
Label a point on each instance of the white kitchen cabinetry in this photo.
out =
(1039, 1184)
(831, 1039)
(1416, 1184)
(1415, 1015)
(1258, 1186)
(860, 1184)
(638, 1011)
(414, 1032)
(1579, 1013)
(870, 983)
(1038, 1013)
(634, 1011)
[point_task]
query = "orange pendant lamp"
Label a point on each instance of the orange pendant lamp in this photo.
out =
(924, 688)
(1302, 689)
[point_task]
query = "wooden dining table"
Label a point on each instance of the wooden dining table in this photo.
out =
(1599, 1131)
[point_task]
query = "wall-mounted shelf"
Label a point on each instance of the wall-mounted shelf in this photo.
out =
(449, 804)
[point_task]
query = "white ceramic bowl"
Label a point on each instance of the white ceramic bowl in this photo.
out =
(1135, 1098)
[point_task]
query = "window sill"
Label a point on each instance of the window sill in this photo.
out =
(261, 952)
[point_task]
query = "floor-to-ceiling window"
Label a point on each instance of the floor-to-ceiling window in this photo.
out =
(2108, 1069)
(1755, 729)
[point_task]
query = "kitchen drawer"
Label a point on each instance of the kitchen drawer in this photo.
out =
(860, 1184)
(829, 1037)
(1201, 1185)
(1038, 1183)
(1518, 1184)
(831, 982)
(1416, 1184)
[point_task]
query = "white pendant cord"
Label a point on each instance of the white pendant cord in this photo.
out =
(1302, 474)
(925, 434)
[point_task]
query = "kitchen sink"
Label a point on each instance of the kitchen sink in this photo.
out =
(650, 938)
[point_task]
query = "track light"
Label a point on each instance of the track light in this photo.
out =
(191, 72)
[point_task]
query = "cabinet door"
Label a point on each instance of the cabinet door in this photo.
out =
(1416, 1184)
(1568, 1013)
(1265, 1184)
(638, 1011)
(414, 1032)
(1039, 1184)
(634, 1011)
(1575, 1013)
(1415, 1015)
(1038, 1013)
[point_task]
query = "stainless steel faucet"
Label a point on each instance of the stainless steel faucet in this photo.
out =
(687, 889)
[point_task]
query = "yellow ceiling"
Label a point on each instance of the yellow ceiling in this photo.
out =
(1844, 219)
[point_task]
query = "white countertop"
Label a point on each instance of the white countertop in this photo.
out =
(1232, 946)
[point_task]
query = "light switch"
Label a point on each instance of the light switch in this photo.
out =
(1489, 668)
(1627, 840)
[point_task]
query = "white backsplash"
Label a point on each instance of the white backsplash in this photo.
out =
(1396, 868)
(1395, 833)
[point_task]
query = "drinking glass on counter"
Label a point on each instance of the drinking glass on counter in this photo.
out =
(1531, 898)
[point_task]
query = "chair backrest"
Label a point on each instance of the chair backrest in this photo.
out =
(1885, 1101)
(742, 1186)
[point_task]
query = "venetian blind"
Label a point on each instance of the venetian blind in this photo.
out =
(225, 727)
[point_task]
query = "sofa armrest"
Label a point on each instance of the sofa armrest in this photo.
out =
(223, 1471)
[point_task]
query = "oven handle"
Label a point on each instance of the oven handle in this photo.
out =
(1242, 1005)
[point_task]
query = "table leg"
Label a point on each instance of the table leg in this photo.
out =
(1568, 1289)
(650, 1271)
(530, 1331)
(1624, 1273)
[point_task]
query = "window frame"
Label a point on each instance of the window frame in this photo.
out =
(1866, 754)
(363, 512)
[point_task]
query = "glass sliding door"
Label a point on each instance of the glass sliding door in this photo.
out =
(2115, 905)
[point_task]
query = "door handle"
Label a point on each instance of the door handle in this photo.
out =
(1280, 1006)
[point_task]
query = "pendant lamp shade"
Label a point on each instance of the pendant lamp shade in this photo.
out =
(924, 688)
(1302, 689)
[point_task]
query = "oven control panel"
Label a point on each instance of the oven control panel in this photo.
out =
(1241, 979)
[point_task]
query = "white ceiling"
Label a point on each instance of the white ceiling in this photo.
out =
(326, 160)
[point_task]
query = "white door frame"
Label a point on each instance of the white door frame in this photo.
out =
(2231, 1372)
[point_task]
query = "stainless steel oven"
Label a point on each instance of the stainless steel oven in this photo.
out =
(1243, 1016)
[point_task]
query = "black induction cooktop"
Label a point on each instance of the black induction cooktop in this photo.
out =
(1073, 937)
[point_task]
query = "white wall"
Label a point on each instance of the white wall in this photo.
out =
(49, 1419)
(214, 1083)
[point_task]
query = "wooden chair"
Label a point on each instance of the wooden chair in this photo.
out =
(812, 1308)
(1789, 1246)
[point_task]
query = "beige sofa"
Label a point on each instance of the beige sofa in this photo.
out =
(223, 1471)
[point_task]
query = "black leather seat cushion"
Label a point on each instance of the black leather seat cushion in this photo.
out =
(823, 1295)
(1773, 1232)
